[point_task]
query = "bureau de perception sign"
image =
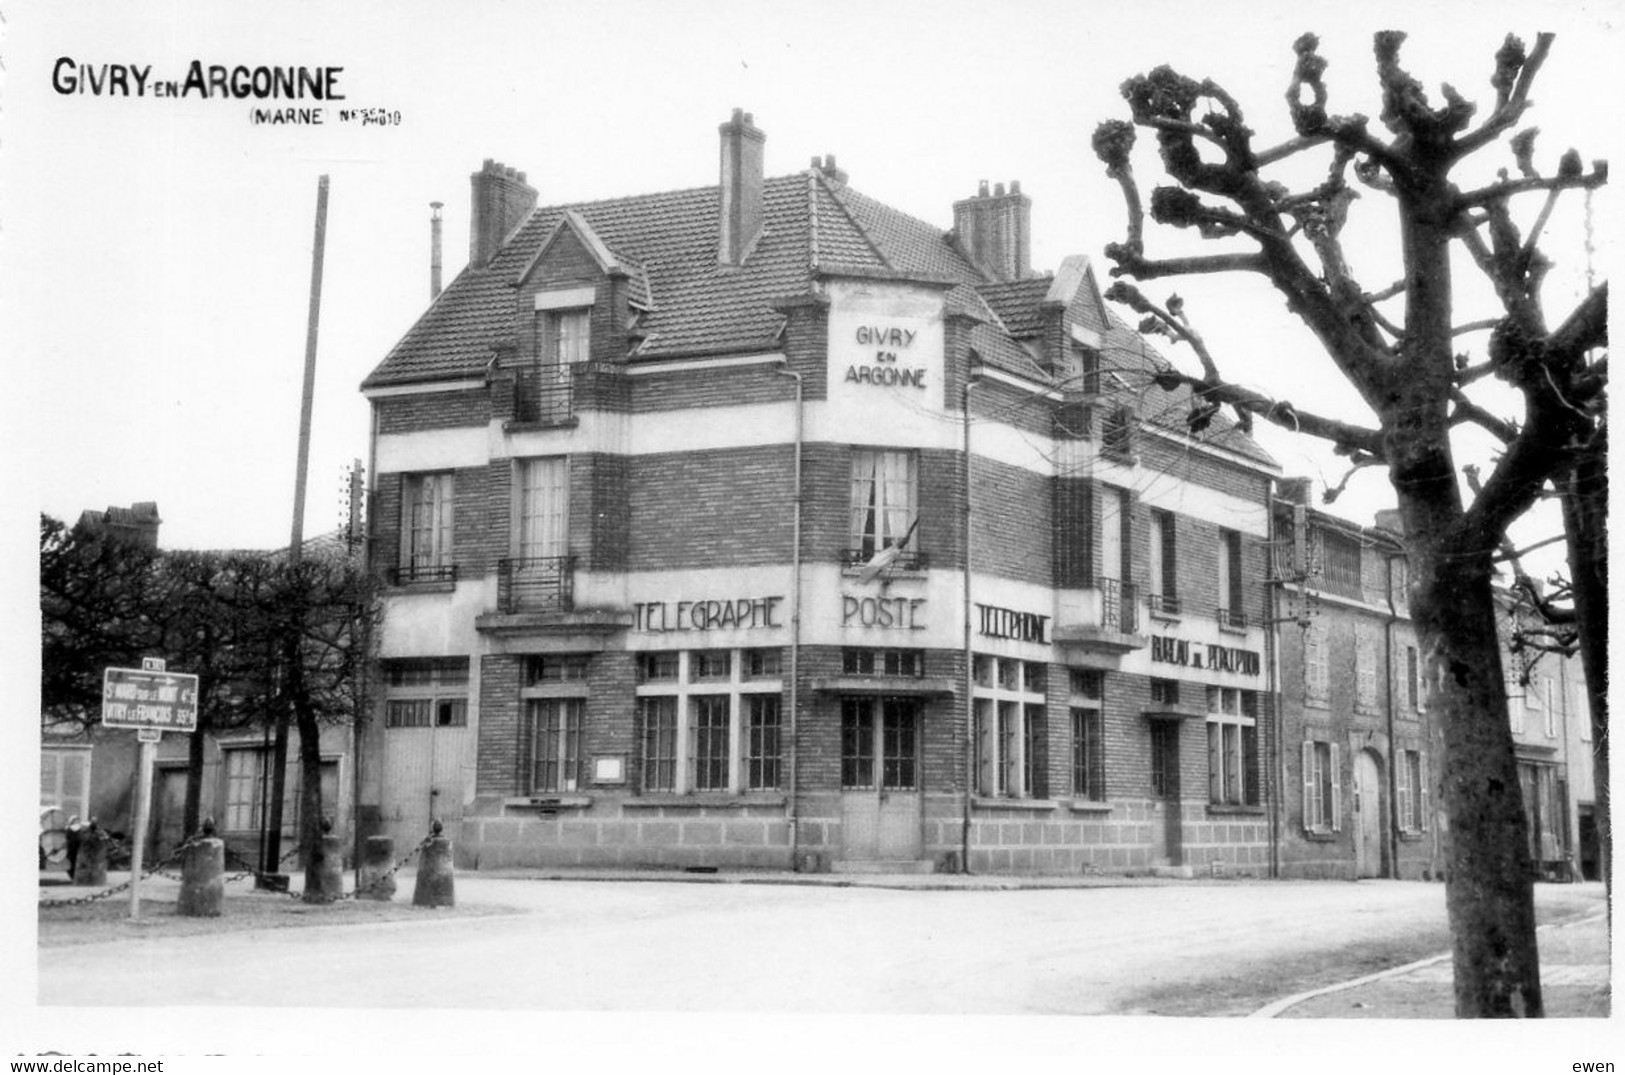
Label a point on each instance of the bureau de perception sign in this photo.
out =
(132, 698)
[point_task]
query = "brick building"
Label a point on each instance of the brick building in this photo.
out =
(764, 525)
(1357, 745)
(1356, 764)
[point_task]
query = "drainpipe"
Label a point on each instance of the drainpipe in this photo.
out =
(971, 378)
(1272, 655)
(791, 816)
(1393, 746)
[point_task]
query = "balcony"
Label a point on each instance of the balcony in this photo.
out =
(1232, 619)
(544, 396)
(535, 584)
(1164, 606)
(907, 560)
(1105, 625)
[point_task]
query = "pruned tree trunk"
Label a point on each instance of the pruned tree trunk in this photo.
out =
(1585, 518)
(1489, 893)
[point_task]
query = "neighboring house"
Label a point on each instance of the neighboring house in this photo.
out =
(1551, 732)
(91, 772)
(1359, 756)
(764, 525)
(1356, 761)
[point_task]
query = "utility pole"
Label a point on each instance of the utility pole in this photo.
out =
(292, 676)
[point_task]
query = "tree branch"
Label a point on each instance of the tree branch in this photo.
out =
(1468, 411)
(1514, 75)
(1501, 191)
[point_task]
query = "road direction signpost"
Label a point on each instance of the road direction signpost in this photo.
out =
(152, 701)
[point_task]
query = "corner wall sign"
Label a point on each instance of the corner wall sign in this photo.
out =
(883, 369)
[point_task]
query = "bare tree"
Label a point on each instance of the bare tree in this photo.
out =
(1396, 345)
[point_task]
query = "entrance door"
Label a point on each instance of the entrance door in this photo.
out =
(880, 778)
(1367, 815)
(422, 779)
(168, 811)
(1167, 833)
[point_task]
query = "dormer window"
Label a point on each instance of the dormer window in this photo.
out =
(563, 341)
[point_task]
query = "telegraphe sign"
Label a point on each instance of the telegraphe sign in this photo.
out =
(741, 614)
(1166, 649)
(166, 701)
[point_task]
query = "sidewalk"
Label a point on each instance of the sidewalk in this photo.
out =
(1574, 970)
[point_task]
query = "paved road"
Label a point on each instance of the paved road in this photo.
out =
(580, 945)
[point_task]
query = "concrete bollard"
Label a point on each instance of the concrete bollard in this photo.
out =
(377, 856)
(91, 867)
(203, 880)
(324, 878)
(435, 886)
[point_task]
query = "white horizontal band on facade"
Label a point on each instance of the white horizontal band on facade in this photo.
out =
(644, 369)
(425, 388)
(765, 425)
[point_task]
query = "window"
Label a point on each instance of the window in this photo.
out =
(1164, 585)
(64, 780)
(557, 668)
(1549, 703)
(1165, 692)
(426, 693)
(1008, 714)
(1231, 611)
(1365, 669)
(245, 778)
(1232, 746)
(1088, 743)
(763, 749)
(883, 662)
(1413, 791)
(1413, 678)
(538, 576)
(1341, 563)
(885, 487)
(565, 335)
(426, 528)
(709, 721)
(1322, 799)
(556, 756)
(1316, 667)
(1117, 434)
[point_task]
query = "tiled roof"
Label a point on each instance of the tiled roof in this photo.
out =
(1017, 303)
(667, 243)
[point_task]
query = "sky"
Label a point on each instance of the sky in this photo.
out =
(157, 253)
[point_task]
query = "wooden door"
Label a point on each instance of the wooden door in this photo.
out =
(1367, 815)
(880, 779)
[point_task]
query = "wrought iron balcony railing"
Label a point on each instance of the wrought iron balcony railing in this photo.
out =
(1233, 618)
(1164, 604)
(536, 584)
(1119, 606)
(545, 395)
(411, 574)
(907, 560)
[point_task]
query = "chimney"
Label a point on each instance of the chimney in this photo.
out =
(1293, 490)
(995, 230)
(434, 251)
(502, 199)
(826, 167)
(741, 201)
(1391, 520)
